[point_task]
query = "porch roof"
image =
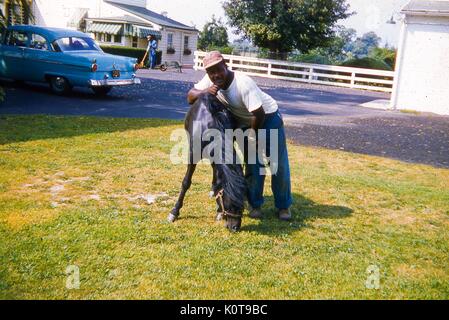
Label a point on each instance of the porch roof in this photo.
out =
(102, 27)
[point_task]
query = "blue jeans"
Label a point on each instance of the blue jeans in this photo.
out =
(152, 59)
(280, 182)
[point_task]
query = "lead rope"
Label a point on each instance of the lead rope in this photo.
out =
(224, 213)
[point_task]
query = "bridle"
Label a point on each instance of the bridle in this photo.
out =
(225, 213)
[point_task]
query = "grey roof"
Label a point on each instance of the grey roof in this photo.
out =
(426, 7)
(123, 19)
(151, 16)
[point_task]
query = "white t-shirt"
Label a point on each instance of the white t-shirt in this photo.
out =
(242, 97)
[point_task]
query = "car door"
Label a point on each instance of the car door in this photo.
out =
(37, 58)
(13, 53)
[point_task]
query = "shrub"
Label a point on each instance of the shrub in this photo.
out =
(132, 53)
(367, 63)
(187, 52)
(223, 50)
(387, 55)
(171, 50)
(310, 58)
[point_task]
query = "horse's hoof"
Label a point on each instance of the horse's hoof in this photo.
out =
(219, 216)
(172, 218)
(211, 194)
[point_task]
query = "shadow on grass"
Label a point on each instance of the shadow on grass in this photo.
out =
(303, 209)
(28, 128)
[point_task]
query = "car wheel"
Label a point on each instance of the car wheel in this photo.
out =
(163, 68)
(60, 85)
(101, 91)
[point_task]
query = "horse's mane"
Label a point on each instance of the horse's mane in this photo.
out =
(234, 183)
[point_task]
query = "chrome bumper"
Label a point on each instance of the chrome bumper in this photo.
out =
(112, 82)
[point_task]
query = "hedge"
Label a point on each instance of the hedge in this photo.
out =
(367, 63)
(131, 52)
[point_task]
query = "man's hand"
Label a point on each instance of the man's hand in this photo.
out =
(213, 90)
(258, 118)
(194, 94)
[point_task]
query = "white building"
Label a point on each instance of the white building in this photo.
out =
(422, 67)
(122, 23)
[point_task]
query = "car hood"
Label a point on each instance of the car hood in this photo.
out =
(105, 61)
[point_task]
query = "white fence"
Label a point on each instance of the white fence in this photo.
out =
(358, 78)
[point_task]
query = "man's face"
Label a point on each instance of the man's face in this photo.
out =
(218, 74)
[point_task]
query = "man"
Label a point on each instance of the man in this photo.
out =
(253, 109)
(152, 47)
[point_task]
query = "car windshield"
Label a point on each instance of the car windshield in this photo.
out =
(75, 44)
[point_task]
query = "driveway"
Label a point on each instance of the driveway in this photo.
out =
(315, 115)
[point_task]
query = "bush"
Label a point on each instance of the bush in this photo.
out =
(223, 50)
(171, 50)
(132, 53)
(310, 58)
(387, 55)
(125, 51)
(367, 63)
(187, 52)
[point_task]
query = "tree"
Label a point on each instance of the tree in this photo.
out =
(284, 25)
(20, 12)
(387, 55)
(214, 34)
(363, 45)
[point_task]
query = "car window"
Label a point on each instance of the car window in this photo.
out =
(38, 42)
(75, 44)
(17, 39)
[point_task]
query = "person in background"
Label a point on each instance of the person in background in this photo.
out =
(253, 109)
(152, 47)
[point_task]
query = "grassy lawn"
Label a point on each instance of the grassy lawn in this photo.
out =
(72, 192)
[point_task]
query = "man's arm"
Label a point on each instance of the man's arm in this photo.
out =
(258, 118)
(194, 94)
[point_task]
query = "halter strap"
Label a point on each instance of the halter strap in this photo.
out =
(225, 213)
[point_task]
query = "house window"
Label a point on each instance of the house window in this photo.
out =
(186, 42)
(134, 44)
(108, 38)
(170, 40)
(118, 38)
(14, 13)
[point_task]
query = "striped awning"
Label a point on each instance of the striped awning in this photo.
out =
(145, 32)
(108, 28)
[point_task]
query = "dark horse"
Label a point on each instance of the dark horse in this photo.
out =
(228, 184)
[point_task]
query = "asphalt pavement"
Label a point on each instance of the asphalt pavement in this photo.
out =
(315, 115)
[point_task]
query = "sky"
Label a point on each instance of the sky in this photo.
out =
(371, 15)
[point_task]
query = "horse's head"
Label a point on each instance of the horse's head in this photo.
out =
(229, 211)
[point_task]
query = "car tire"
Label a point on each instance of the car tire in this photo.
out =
(101, 91)
(60, 85)
(163, 68)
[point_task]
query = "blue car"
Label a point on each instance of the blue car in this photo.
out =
(64, 59)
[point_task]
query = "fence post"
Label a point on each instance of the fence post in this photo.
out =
(352, 79)
(310, 75)
(269, 68)
(230, 64)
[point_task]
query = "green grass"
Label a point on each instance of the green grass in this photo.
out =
(68, 188)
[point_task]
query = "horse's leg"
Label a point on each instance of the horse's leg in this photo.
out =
(214, 182)
(186, 183)
(214, 191)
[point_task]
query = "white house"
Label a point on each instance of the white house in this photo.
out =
(122, 23)
(422, 67)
